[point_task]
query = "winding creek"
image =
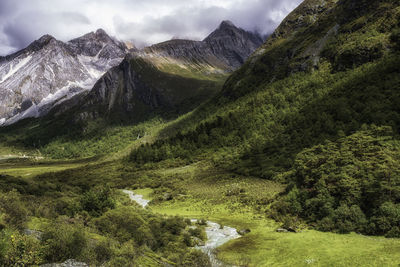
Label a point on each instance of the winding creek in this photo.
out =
(216, 235)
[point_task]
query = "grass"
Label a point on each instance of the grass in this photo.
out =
(265, 247)
(205, 198)
(11, 151)
(145, 192)
(232, 200)
(37, 223)
(28, 168)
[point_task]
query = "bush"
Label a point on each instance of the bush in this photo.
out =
(165, 235)
(195, 258)
(103, 251)
(15, 214)
(97, 201)
(125, 224)
(63, 241)
(125, 255)
(348, 219)
(387, 219)
(19, 250)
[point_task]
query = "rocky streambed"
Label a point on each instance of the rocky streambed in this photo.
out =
(216, 234)
(137, 198)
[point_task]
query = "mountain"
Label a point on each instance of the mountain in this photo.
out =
(73, 68)
(172, 76)
(49, 71)
(226, 48)
(233, 45)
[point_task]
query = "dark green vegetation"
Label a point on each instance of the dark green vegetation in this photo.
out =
(352, 184)
(350, 83)
(306, 133)
(98, 226)
(160, 92)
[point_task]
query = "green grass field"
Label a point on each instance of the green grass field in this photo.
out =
(263, 246)
(205, 192)
(206, 198)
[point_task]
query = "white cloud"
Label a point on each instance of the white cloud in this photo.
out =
(144, 21)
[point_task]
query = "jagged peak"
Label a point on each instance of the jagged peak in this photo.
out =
(45, 39)
(227, 23)
(41, 43)
(102, 34)
(99, 34)
(227, 28)
(100, 31)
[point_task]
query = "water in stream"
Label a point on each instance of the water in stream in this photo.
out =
(216, 235)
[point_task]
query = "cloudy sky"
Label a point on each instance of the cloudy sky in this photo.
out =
(140, 21)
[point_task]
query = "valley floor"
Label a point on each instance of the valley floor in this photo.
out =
(192, 191)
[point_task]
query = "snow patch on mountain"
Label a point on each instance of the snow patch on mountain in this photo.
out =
(14, 69)
(48, 72)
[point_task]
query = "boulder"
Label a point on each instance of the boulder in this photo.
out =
(167, 196)
(244, 231)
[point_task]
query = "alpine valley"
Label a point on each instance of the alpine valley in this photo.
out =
(238, 150)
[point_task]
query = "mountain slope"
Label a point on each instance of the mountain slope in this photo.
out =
(173, 76)
(226, 48)
(74, 67)
(147, 84)
(137, 88)
(233, 45)
(49, 71)
(329, 76)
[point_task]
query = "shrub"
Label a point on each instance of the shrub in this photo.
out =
(348, 219)
(97, 201)
(64, 242)
(19, 250)
(387, 219)
(15, 214)
(125, 224)
(195, 258)
(103, 251)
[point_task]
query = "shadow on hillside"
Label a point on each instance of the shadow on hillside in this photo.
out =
(368, 95)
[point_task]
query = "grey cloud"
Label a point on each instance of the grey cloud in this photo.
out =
(6, 7)
(253, 15)
(143, 21)
(29, 26)
(71, 17)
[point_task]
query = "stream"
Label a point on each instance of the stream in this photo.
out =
(216, 235)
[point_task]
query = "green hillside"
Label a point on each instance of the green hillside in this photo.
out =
(273, 110)
(113, 129)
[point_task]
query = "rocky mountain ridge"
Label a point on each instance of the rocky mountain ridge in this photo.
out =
(226, 48)
(166, 75)
(49, 71)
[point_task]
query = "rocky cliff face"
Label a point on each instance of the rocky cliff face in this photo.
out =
(226, 49)
(49, 71)
(233, 45)
(167, 76)
(136, 88)
(52, 75)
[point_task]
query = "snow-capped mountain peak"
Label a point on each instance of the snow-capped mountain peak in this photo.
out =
(49, 71)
